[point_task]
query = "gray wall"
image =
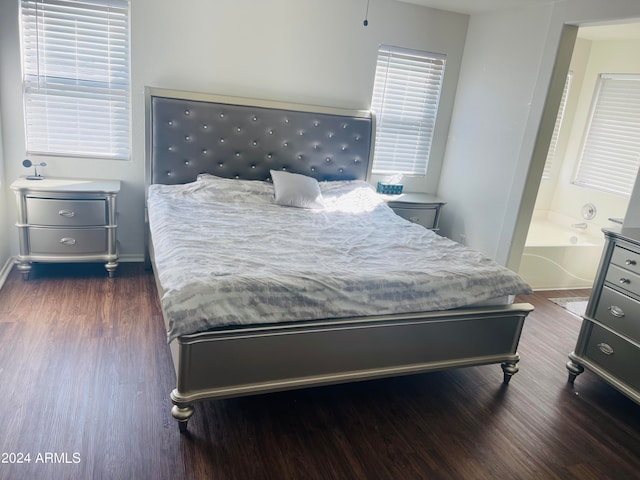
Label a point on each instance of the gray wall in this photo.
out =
(320, 53)
(306, 52)
(4, 206)
(490, 175)
(5, 199)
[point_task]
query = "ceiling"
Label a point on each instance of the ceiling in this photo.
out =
(476, 6)
(626, 31)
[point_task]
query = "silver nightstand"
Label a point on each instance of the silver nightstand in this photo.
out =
(66, 220)
(421, 208)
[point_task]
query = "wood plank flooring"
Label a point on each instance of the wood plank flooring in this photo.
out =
(86, 374)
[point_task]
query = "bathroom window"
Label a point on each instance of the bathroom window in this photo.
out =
(551, 154)
(405, 100)
(75, 57)
(611, 150)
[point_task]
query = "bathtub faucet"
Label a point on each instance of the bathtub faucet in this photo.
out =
(581, 226)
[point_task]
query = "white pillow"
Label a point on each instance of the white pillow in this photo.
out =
(295, 190)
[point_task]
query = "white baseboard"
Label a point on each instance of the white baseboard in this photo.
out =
(6, 270)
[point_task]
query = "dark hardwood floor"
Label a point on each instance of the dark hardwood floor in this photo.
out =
(86, 374)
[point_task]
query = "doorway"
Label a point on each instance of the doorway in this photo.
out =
(565, 241)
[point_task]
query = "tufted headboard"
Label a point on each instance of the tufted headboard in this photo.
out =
(191, 133)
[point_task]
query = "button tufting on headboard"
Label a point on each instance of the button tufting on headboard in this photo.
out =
(188, 136)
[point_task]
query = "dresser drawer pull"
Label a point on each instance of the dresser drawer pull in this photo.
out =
(624, 281)
(616, 311)
(605, 348)
(67, 213)
(413, 219)
(630, 262)
(68, 241)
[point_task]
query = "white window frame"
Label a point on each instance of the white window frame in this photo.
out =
(557, 128)
(76, 80)
(610, 154)
(405, 100)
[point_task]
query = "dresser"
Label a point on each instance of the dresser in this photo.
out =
(421, 208)
(609, 340)
(66, 220)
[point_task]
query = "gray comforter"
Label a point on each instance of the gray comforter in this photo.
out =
(225, 254)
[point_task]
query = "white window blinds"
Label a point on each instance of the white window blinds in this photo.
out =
(76, 77)
(405, 100)
(611, 150)
(551, 154)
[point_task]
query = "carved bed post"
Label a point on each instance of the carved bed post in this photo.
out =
(182, 415)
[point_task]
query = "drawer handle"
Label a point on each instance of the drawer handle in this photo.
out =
(605, 348)
(616, 311)
(413, 219)
(625, 281)
(67, 213)
(68, 241)
(630, 262)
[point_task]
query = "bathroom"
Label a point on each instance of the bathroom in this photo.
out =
(565, 241)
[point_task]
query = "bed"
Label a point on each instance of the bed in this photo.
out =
(260, 295)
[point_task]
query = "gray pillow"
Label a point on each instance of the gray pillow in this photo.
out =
(295, 190)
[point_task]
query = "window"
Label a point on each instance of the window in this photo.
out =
(405, 99)
(546, 173)
(611, 150)
(75, 58)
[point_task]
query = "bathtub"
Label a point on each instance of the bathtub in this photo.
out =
(560, 256)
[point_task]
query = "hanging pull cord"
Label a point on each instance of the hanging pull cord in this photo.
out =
(366, 16)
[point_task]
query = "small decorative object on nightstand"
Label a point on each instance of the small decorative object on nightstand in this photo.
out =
(389, 188)
(28, 163)
(66, 220)
(609, 340)
(420, 208)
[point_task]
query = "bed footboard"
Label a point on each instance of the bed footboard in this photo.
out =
(247, 361)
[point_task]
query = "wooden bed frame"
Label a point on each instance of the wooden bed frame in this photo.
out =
(188, 134)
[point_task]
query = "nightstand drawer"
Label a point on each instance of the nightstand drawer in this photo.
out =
(619, 312)
(623, 279)
(44, 241)
(617, 356)
(69, 213)
(422, 216)
(626, 259)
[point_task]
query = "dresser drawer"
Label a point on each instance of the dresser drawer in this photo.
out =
(44, 241)
(617, 356)
(626, 259)
(624, 279)
(66, 213)
(619, 312)
(423, 216)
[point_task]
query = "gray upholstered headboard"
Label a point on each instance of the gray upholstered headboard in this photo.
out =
(190, 133)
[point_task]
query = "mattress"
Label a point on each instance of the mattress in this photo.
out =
(225, 254)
